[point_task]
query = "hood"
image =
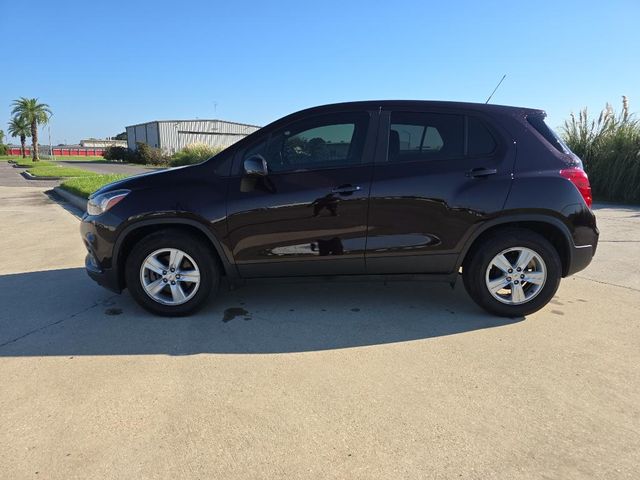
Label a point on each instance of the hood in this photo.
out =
(145, 180)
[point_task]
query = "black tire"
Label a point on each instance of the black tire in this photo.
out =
(475, 267)
(199, 251)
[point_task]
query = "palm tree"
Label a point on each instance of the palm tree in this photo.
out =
(19, 127)
(33, 113)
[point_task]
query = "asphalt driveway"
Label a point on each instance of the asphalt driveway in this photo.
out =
(10, 176)
(312, 379)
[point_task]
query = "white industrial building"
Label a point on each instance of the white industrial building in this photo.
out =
(173, 135)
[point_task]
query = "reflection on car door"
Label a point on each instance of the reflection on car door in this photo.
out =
(308, 216)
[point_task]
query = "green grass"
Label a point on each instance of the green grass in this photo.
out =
(56, 171)
(85, 186)
(27, 163)
(4, 158)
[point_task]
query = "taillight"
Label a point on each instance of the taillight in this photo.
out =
(579, 178)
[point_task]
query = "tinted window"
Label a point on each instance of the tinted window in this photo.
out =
(537, 121)
(479, 140)
(425, 136)
(324, 142)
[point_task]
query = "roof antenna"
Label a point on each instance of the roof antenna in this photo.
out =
(494, 90)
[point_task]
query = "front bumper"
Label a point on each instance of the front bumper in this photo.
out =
(106, 278)
(98, 240)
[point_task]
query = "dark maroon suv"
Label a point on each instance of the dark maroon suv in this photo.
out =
(385, 188)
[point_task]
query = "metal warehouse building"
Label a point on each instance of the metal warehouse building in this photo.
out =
(173, 135)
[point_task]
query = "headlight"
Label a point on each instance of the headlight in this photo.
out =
(101, 203)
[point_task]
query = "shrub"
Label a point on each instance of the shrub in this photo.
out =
(117, 153)
(4, 150)
(151, 156)
(194, 153)
(609, 146)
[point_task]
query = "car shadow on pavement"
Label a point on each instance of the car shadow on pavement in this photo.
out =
(63, 313)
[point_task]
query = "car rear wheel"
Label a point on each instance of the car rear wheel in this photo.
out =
(513, 272)
(171, 273)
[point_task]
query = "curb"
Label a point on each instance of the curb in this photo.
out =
(74, 200)
(28, 176)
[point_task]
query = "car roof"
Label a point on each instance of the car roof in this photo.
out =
(369, 105)
(422, 104)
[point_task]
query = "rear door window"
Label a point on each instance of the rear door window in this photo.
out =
(425, 136)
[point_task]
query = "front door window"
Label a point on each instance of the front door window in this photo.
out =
(324, 142)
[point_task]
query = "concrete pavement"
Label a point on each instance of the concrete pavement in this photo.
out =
(618, 255)
(311, 380)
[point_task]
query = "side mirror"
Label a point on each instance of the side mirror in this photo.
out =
(255, 166)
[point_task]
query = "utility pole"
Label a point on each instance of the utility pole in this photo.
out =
(49, 130)
(50, 146)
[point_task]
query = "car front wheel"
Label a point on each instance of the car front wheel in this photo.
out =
(171, 273)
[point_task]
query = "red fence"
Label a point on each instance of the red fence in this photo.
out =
(59, 151)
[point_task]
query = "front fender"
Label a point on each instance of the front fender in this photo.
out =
(169, 219)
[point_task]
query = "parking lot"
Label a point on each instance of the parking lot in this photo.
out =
(294, 379)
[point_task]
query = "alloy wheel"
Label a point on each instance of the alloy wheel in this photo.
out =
(516, 275)
(170, 276)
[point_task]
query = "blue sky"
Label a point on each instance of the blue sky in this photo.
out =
(104, 65)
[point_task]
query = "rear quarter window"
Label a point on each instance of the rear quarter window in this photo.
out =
(537, 122)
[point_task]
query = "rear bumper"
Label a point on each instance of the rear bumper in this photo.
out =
(584, 237)
(580, 258)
